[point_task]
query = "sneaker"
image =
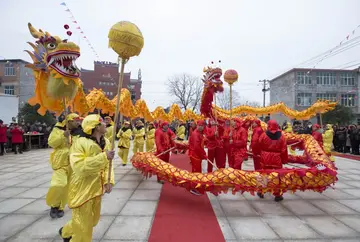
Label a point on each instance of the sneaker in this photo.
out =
(53, 212)
(195, 192)
(123, 164)
(60, 213)
(260, 195)
(278, 198)
(64, 239)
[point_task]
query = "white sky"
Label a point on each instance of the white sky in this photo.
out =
(258, 38)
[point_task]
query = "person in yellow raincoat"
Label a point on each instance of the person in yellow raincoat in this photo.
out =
(60, 139)
(328, 140)
(109, 128)
(289, 129)
(90, 156)
(139, 137)
(124, 136)
(150, 138)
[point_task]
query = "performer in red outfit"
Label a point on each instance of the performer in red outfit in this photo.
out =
(274, 151)
(254, 146)
(238, 145)
(3, 137)
(226, 141)
(317, 135)
(246, 126)
(192, 128)
(17, 138)
(215, 146)
(196, 149)
(164, 142)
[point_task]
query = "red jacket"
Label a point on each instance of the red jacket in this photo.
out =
(273, 150)
(318, 137)
(255, 138)
(3, 137)
(16, 134)
(163, 140)
(212, 141)
(239, 137)
(196, 145)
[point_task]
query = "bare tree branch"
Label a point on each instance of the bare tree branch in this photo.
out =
(186, 89)
(223, 100)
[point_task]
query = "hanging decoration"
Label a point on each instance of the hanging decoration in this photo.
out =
(76, 23)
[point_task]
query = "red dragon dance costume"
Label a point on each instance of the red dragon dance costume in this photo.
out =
(238, 146)
(274, 151)
(317, 135)
(255, 144)
(196, 147)
(215, 147)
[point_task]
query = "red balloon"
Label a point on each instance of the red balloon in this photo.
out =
(69, 33)
(66, 26)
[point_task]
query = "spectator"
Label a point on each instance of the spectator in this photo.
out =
(17, 138)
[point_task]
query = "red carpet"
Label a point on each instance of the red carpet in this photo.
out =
(347, 156)
(181, 216)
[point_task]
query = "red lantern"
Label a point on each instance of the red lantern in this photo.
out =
(66, 26)
(69, 33)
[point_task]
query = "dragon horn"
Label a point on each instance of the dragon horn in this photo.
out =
(36, 34)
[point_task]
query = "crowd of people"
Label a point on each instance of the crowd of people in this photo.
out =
(13, 136)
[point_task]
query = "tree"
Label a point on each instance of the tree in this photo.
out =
(223, 100)
(29, 114)
(340, 115)
(186, 89)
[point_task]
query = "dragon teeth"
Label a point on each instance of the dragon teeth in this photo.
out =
(51, 61)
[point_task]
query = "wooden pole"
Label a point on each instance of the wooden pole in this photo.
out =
(117, 110)
(231, 128)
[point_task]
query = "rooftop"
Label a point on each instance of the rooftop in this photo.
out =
(14, 60)
(312, 70)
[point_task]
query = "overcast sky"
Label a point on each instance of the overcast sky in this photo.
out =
(258, 38)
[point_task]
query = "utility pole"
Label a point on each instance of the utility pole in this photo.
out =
(264, 90)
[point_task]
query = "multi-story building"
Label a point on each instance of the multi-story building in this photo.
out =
(105, 76)
(16, 79)
(299, 88)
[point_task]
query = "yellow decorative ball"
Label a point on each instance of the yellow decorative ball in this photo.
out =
(126, 39)
(231, 76)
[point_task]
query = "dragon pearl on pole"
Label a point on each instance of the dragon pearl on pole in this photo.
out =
(231, 76)
(126, 39)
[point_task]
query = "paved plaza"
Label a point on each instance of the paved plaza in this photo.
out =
(128, 212)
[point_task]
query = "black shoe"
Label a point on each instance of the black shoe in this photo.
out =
(20, 152)
(278, 198)
(15, 153)
(123, 164)
(53, 212)
(161, 182)
(60, 213)
(260, 195)
(64, 239)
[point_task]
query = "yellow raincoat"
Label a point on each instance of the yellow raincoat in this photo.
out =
(90, 173)
(289, 129)
(124, 144)
(328, 140)
(59, 161)
(150, 140)
(138, 140)
(109, 132)
(180, 132)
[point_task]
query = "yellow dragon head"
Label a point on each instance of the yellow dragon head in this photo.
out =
(56, 75)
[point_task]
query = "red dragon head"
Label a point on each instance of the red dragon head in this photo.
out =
(212, 85)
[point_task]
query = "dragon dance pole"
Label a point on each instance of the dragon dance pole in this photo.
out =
(126, 39)
(231, 76)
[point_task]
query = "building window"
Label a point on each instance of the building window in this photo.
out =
(9, 90)
(348, 100)
(9, 71)
(304, 99)
(347, 79)
(326, 96)
(303, 78)
(326, 78)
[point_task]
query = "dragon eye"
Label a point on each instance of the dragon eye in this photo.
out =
(51, 46)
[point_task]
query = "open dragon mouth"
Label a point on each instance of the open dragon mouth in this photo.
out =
(64, 63)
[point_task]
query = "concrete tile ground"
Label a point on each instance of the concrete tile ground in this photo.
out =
(128, 212)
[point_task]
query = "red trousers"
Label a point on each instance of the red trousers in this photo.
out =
(238, 156)
(195, 164)
(165, 157)
(218, 155)
(227, 151)
(257, 160)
